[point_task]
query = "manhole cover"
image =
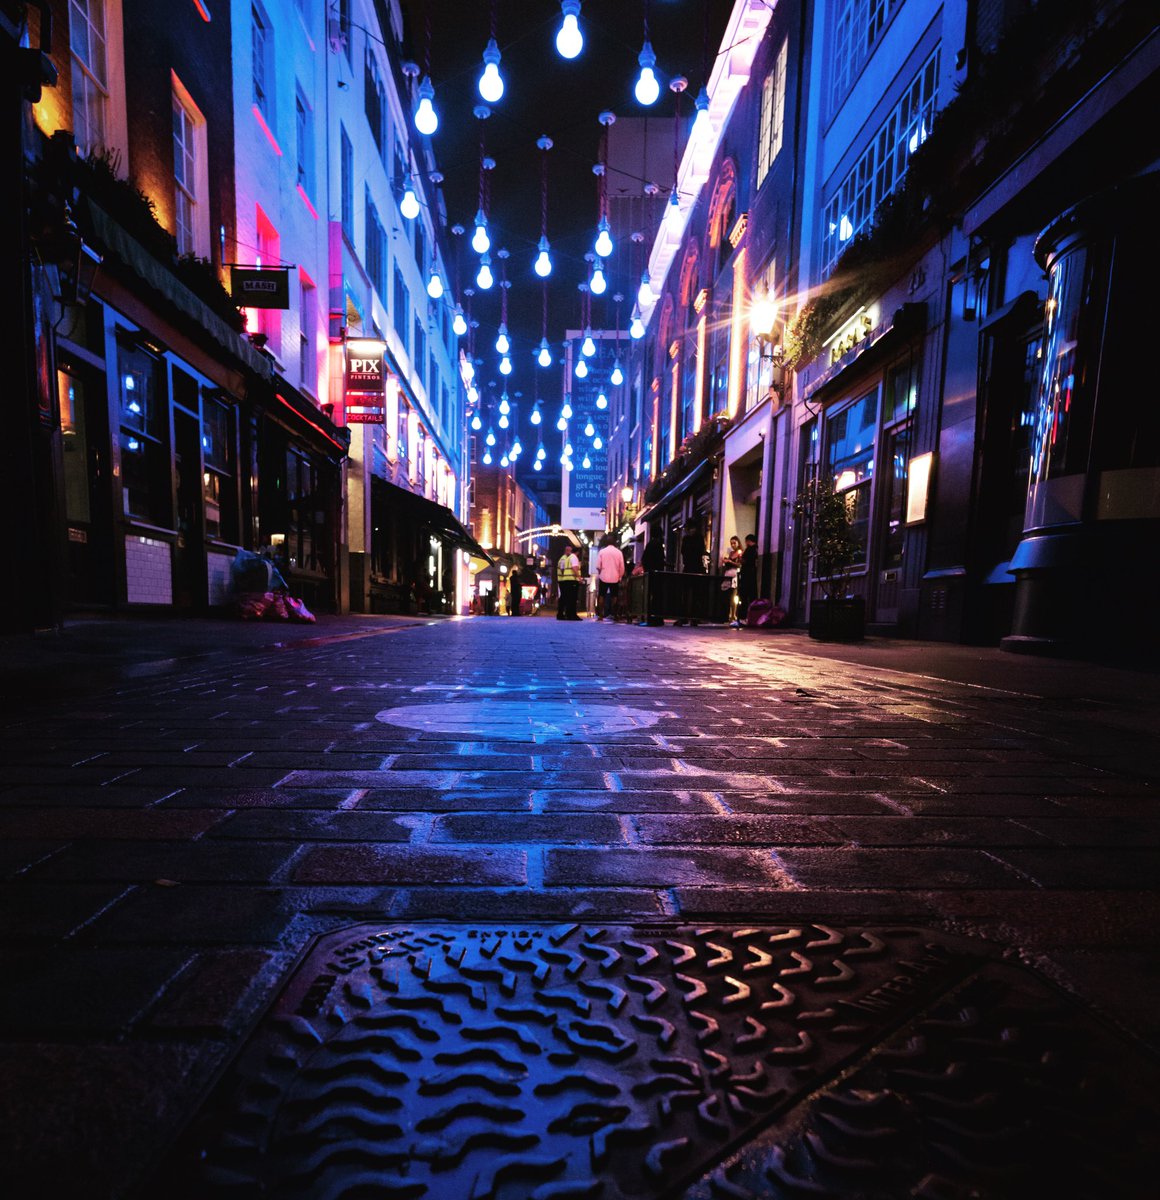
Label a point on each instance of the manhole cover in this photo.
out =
(571, 1061)
(519, 718)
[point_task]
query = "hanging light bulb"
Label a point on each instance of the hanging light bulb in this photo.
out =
(490, 439)
(487, 458)
(536, 415)
(544, 357)
(636, 328)
(469, 370)
(543, 264)
(587, 462)
(504, 404)
(588, 346)
(409, 205)
(589, 429)
(566, 411)
(569, 40)
(434, 284)
(601, 400)
(597, 285)
(426, 118)
(472, 394)
(645, 297)
(503, 421)
(480, 242)
(505, 365)
(617, 376)
(491, 81)
(503, 342)
(673, 211)
(476, 423)
(459, 322)
(485, 278)
(568, 449)
(581, 369)
(517, 449)
(541, 453)
(702, 126)
(567, 463)
(505, 461)
(561, 424)
(536, 465)
(603, 245)
(597, 442)
(647, 88)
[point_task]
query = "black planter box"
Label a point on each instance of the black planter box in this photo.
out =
(838, 620)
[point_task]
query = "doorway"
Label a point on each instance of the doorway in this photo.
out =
(189, 570)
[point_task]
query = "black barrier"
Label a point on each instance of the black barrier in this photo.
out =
(672, 595)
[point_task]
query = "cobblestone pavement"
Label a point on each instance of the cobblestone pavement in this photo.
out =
(174, 839)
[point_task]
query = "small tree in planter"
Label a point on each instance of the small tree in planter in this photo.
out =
(830, 547)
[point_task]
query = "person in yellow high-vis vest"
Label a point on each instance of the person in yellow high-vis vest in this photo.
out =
(568, 578)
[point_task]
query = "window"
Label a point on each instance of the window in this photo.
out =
(418, 351)
(304, 141)
(402, 313)
(344, 27)
(90, 84)
(305, 513)
(307, 326)
(262, 63)
(346, 183)
(144, 423)
(421, 246)
(376, 260)
(882, 165)
(772, 114)
(472, 442)
(850, 458)
(185, 176)
(759, 370)
(218, 480)
(857, 24)
(376, 109)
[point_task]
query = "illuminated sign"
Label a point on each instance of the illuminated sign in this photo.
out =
(260, 287)
(364, 398)
(855, 330)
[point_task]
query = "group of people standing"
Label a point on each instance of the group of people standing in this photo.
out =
(610, 570)
(740, 563)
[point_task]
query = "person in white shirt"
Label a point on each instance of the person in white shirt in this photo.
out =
(609, 571)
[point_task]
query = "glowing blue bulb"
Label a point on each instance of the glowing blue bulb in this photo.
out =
(485, 278)
(536, 417)
(504, 405)
(434, 285)
(543, 264)
(603, 245)
(597, 442)
(544, 357)
(503, 342)
(644, 296)
(517, 449)
(536, 465)
(647, 88)
(505, 365)
(491, 81)
(587, 462)
(487, 458)
(490, 439)
(601, 401)
(505, 461)
(409, 205)
(617, 376)
(588, 346)
(581, 369)
(426, 118)
(566, 411)
(476, 423)
(480, 242)
(598, 285)
(636, 329)
(561, 424)
(541, 454)
(503, 421)
(458, 322)
(589, 429)
(569, 39)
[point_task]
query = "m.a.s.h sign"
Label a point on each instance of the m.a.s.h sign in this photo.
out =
(260, 287)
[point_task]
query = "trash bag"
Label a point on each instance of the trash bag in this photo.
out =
(252, 606)
(252, 572)
(276, 611)
(297, 611)
(764, 614)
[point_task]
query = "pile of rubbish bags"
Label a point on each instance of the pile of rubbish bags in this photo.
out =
(260, 592)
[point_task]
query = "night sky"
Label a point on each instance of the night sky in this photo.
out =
(547, 94)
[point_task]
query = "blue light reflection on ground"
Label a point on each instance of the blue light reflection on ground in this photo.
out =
(519, 718)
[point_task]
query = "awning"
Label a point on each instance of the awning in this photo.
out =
(908, 320)
(437, 518)
(679, 489)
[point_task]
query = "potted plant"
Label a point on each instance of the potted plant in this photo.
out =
(830, 546)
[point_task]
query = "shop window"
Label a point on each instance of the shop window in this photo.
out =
(901, 392)
(304, 515)
(850, 459)
(219, 477)
(75, 447)
(894, 505)
(144, 429)
(808, 453)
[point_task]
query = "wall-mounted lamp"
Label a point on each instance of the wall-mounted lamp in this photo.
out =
(76, 267)
(764, 324)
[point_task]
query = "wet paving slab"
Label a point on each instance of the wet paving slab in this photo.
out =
(506, 1062)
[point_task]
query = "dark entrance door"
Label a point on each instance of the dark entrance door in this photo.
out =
(88, 517)
(189, 573)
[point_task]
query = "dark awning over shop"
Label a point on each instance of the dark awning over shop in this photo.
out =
(439, 519)
(690, 481)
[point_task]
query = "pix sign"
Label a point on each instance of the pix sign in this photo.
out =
(366, 373)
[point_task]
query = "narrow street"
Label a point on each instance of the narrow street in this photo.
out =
(178, 831)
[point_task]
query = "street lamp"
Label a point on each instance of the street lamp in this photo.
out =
(763, 322)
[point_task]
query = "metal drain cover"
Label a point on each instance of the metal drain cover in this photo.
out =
(558, 1062)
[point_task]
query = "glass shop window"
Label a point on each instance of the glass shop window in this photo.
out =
(144, 434)
(304, 515)
(850, 458)
(219, 477)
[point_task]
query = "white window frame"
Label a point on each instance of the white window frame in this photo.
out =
(191, 187)
(109, 91)
(772, 126)
(856, 29)
(881, 167)
(262, 61)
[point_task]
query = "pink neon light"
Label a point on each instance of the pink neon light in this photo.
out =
(266, 130)
(202, 10)
(306, 201)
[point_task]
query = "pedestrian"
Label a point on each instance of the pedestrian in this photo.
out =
(568, 581)
(692, 563)
(746, 579)
(515, 592)
(609, 573)
(653, 562)
(731, 561)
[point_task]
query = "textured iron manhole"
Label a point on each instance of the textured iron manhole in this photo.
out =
(558, 1062)
(518, 718)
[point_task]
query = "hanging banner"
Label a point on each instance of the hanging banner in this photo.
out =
(364, 382)
(260, 287)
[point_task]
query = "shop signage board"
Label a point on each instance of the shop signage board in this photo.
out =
(364, 382)
(584, 490)
(260, 287)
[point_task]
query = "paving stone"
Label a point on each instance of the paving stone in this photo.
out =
(212, 991)
(1091, 831)
(244, 797)
(185, 862)
(763, 904)
(625, 802)
(398, 865)
(195, 914)
(418, 799)
(464, 904)
(516, 829)
(641, 867)
(35, 912)
(299, 826)
(1082, 868)
(208, 777)
(84, 795)
(71, 824)
(21, 855)
(894, 868)
(811, 803)
(938, 831)
(737, 830)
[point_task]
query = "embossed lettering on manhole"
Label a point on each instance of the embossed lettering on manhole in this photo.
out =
(570, 1061)
(519, 718)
